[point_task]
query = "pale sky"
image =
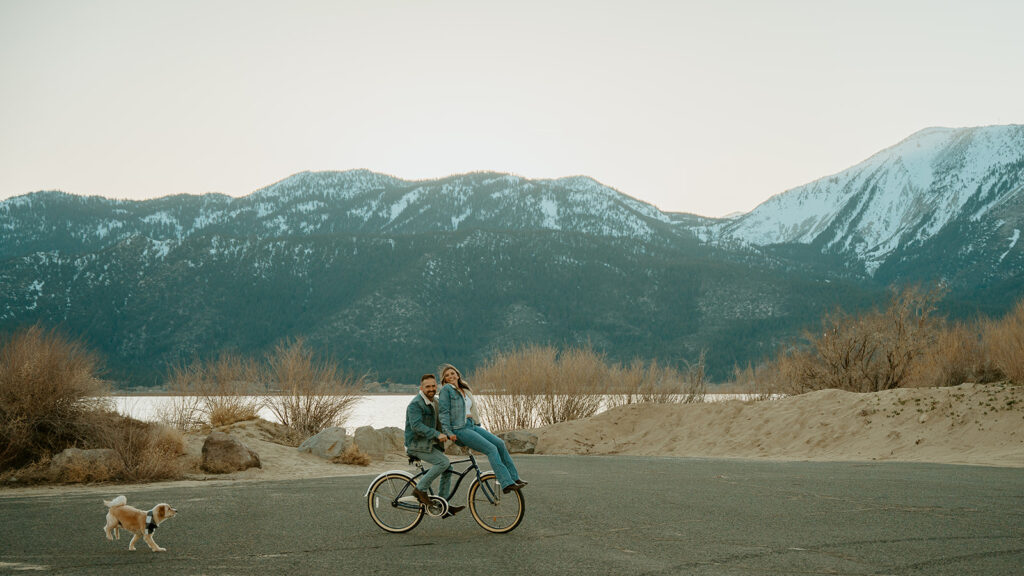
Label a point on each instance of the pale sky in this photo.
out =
(705, 107)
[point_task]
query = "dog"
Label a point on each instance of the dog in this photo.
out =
(141, 524)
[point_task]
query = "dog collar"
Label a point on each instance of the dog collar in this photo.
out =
(150, 523)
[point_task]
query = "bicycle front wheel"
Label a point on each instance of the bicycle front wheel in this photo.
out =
(492, 510)
(392, 505)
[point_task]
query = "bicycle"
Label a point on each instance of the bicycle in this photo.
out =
(393, 507)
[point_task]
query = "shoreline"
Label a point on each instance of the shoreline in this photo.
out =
(966, 425)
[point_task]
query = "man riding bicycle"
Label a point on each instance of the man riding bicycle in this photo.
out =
(425, 440)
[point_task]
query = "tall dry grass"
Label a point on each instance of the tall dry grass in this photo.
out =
(760, 382)
(957, 355)
(50, 391)
(534, 386)
(1003, 339)
(308, 394)
(218, 392)
(642, 382)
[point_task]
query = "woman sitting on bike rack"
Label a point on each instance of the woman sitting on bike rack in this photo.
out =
(459, 423)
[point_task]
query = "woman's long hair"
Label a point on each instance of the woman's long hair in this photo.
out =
(461, 382)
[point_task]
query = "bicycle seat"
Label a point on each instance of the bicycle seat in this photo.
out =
(412, 459)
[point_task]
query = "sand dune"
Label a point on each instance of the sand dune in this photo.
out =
(968, 424)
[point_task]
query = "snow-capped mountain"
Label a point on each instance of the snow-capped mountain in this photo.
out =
(901, 198)
(356, 202)
(384, 271)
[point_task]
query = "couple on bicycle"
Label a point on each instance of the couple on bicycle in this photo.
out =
(433, 418)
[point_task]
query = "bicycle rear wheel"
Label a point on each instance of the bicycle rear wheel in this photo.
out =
(392, 505)
(493, 511)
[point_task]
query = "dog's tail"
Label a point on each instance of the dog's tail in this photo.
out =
(119, 501)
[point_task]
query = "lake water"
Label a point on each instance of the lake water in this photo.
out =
(378, 411)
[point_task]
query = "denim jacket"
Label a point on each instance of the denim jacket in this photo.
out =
(421, 426)
(453, 409)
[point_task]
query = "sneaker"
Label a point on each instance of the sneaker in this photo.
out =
(452, 511)
(520, 483)
(421, 496)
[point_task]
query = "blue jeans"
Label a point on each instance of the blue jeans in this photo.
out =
(440, 468)
(493, 447)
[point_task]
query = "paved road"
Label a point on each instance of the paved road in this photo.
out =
(585, 515)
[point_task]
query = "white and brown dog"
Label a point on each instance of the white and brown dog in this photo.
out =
(141, 524)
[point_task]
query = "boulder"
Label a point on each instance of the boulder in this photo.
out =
(78, 465)
(382, 441)
(328, 444)
(519, 441)
(223, 453)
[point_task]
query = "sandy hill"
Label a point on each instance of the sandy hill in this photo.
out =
(967, 424)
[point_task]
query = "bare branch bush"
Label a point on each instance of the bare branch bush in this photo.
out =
(149, 451)
(580, 380)
(219, 392)
(306, 394)
(535, 386)
(507, 385)
(640, 382)
(695, 384)
(49, 394)
(184, 411)
(1004, 343)
(760, 382)
(867, 353)
(956, 356)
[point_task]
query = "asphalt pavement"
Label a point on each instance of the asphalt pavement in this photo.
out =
(584, 515)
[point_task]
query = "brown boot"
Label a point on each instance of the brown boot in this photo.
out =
(421, 496)
(452, 511)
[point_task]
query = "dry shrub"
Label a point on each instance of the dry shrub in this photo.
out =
(218, 393)
(149, 451)
(184, 412)
(536, 385)
(867, 353)
(308, 395)
(576, 386)
(38, 472)
(657, 383)
(1004, 341)
(956, 356)
(49, 394)
(760, 382)
(353, 456)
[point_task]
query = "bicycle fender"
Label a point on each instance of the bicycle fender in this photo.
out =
(379, 476)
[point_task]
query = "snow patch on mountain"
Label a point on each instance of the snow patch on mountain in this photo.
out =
(549, 212)
(1013, 242)
(398, 207)
(902, 195)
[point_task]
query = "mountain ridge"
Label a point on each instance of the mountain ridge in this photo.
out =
(383, 271)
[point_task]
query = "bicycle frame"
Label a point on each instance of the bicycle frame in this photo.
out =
(491, 496)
